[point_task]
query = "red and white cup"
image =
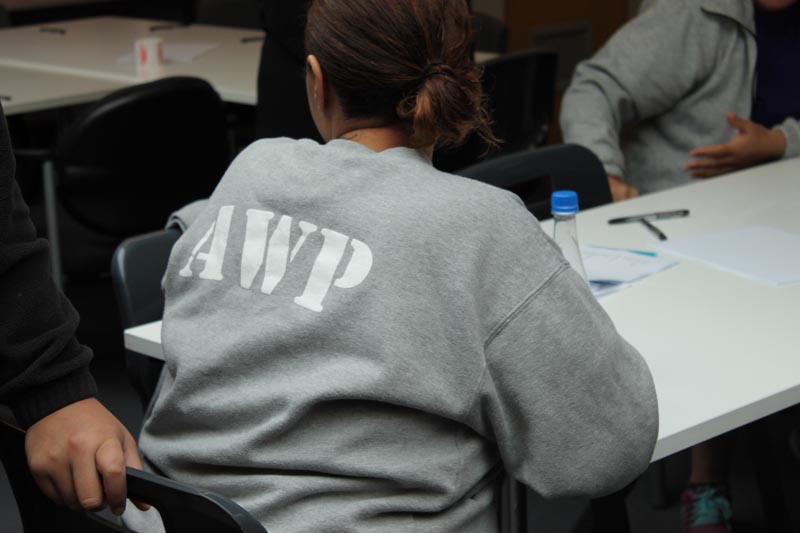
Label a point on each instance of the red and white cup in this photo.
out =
(149, 54)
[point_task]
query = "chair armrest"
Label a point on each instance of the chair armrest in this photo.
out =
(187, 508)
(39, 154)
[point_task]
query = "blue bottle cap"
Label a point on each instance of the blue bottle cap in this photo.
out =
(564, 202)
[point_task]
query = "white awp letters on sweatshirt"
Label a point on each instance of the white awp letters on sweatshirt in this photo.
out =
(275, 254)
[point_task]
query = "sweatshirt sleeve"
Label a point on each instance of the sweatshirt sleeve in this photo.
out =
(42, 366)
(571, 404)
(791, 130)
(627, 81)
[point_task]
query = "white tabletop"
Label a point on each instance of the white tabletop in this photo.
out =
(24, 90)
(88, 51)
(724, 351)
(93, 47)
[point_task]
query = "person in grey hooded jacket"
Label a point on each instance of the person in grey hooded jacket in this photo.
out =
(667, 88)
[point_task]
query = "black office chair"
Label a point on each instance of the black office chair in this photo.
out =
(491, 34)
(126, 163)
(520, 89)
(533, 174)
(4, 20)
(137, 268)
(183, 508)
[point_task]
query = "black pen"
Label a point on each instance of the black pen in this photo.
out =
(654, 230)
(253, 39)
(651, 216)
(60, 31)
(5, 97)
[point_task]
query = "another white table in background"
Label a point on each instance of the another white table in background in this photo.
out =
(86, 53)
(724, 351)
(91, 48)
(24, 90)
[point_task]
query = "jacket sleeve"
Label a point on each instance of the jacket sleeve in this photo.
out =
(285, 22)
(42, 366)
(571, 404)
(645, 68)
(791, 130)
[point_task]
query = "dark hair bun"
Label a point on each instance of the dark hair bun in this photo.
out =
(407, 60)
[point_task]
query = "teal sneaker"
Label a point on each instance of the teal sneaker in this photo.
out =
(706, 509)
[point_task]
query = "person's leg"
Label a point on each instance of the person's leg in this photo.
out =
(705, 503)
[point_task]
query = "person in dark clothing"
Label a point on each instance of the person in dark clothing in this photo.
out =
(282, 108)
(77, 450)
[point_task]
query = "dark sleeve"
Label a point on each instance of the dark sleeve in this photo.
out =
(282, 108)
(42, 366)
(285, 23)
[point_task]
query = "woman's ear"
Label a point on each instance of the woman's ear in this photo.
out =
(317, 83)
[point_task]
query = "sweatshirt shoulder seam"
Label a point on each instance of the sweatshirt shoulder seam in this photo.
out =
(523, 303)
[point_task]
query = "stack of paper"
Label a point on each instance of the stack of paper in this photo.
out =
(760, 253)
(612, 269)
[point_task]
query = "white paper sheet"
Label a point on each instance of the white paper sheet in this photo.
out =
(613, 269)
(176, 52)
(760, 253)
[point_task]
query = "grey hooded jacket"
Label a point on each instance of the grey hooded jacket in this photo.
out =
(662, 86)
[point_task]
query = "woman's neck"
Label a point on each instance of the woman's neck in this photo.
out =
(375, 135)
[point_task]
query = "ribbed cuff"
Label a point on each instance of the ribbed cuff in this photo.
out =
(37, 403)
(791, 130)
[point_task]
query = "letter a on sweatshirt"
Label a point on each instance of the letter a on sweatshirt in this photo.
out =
(216, 254)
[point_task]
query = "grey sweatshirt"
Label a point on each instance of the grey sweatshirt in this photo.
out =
(355, 341)
(662, 86)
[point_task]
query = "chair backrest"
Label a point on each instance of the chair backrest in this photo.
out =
(236, 13)
(140, 153)
(520, 89)
(4, 20)
(137, 267)
(533, 174)
(183, 508)
(491, 34)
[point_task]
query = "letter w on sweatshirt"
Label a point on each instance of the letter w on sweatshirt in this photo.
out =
(272, 253)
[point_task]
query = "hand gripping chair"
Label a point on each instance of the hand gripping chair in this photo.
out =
(183, 509)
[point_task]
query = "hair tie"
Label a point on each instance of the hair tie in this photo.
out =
(432, 69)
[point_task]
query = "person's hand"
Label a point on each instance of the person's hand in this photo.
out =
(753, 144)
(77, 456)
(621, 190)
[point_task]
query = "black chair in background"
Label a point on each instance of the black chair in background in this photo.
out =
(4, 20)
(491, 34)
(125, 164)
(137, 268)
(236, 13)
(533, 174)
(183, 508)
(520, 90)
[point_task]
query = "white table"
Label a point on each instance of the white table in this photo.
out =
(24, 90)
(91, 49)
(82, 58)
(724, 351)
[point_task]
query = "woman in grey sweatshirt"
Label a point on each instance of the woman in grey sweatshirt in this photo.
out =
(355, 341)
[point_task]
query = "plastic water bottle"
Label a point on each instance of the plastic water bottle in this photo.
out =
(564, 206)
